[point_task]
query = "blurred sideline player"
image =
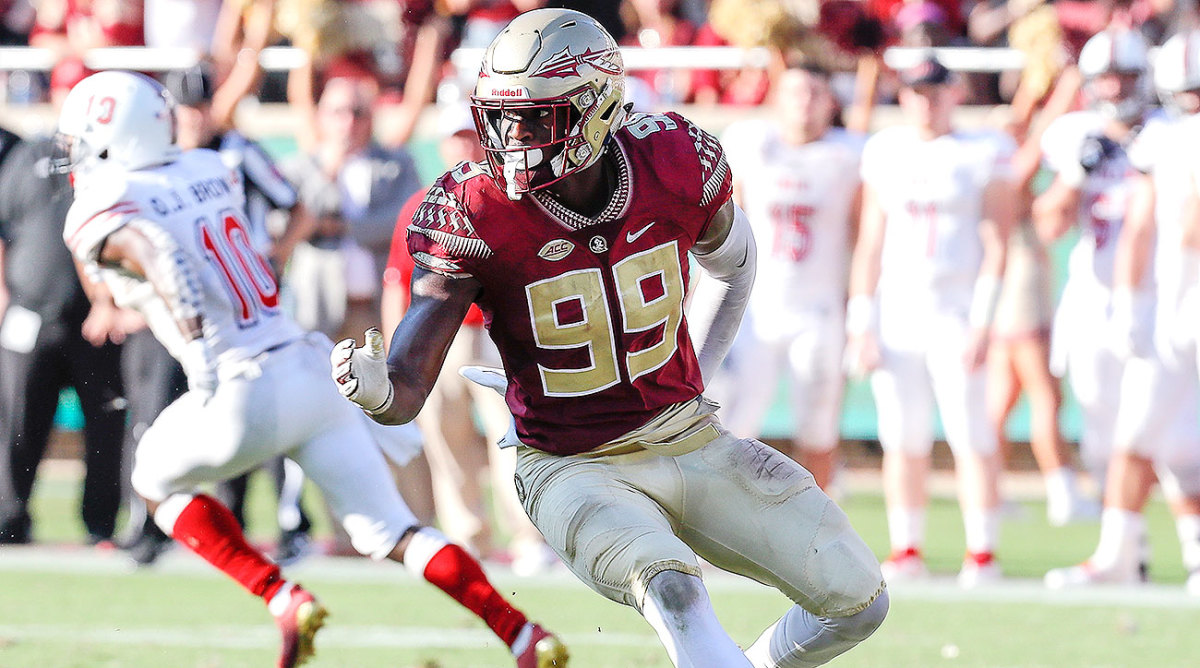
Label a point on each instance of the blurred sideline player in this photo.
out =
(1157, 427)
(1019, 352)
(459, 455)
(574, 239)
(938, 204)
(165, 229)
(1085, 150)
(797, 180)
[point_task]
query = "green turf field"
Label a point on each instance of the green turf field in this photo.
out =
(67, 606)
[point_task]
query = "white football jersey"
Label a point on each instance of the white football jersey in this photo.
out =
(197, 203)
(1165, 149)
(931, 192)
(799, 201)
(1104, 197)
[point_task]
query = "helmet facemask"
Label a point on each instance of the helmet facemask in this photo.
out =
(569, 135)
(1130, 101)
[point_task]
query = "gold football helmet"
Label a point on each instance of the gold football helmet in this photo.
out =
(561, 70)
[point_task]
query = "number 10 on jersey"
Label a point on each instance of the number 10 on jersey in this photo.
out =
(244, 272)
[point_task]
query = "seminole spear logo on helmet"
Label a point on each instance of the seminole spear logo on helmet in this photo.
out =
(563, 64)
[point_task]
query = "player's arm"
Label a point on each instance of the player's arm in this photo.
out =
(394, 393)
(104, 318)
(999, 216)
(143, 249)
(1135, 245)
(726, 251)
(862, 346)
(1055, 210)
(1132, 308)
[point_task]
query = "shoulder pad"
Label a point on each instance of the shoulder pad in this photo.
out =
(99, 209)
(442, 219)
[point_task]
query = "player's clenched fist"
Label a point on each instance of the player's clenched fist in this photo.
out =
(361, 373)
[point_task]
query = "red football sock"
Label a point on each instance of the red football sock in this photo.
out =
(455, 572)
(208, 528)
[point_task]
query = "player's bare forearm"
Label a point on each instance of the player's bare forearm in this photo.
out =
(1000, 215)
(1135, 245)
(868, 249)
(135, 252)
(1055, 210)
(420, 342)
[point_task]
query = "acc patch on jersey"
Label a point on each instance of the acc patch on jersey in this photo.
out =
(556, 250)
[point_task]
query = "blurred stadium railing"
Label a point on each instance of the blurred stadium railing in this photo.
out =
(278, 58)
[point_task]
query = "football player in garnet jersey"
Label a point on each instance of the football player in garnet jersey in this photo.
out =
(573, 237)
(165, 230)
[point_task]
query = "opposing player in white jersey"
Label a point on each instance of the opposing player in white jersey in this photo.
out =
(165, 230)
(1156, 432)
(924, 282)
(797, 180)
(1085, 150)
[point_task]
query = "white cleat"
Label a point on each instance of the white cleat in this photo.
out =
(1193, 583)
(904, 566)
(1087, 575)
(979, 570)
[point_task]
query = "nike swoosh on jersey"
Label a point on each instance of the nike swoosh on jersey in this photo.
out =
(631, 237)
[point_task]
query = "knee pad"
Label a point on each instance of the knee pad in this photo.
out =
(862, 624)
(674, 590)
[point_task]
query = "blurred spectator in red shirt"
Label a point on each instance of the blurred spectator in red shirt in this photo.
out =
(71, 27)
(660, 23)
(888, 10)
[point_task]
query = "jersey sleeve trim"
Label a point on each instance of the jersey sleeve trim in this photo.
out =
(84, 240)
(714, 167)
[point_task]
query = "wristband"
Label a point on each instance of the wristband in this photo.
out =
(984, 301)
(861, 315)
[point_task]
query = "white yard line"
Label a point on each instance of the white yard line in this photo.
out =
(334, 637)
(83, 561)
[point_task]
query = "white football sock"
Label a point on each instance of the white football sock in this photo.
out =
(1121, 532)
(801, 639)
(1061, 488)
(1187, 527)
(906, 527)
(678, 608)
(982, 528)
(279, 602)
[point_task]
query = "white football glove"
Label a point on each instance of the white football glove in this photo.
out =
(361, 374)
(1132, 324)
(199, 368)
(495, 379)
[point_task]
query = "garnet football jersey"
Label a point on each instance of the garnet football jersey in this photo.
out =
(587, 312)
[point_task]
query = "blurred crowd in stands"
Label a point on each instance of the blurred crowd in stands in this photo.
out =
(391, 41)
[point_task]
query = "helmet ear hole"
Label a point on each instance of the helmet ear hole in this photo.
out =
(608, 113)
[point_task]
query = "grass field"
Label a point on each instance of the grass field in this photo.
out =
(66, 606)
